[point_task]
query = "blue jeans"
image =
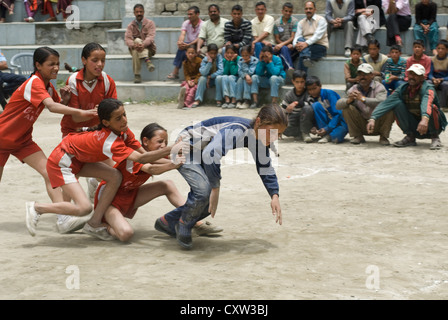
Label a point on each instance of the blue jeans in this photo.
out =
(432, 36)
(322, 120)
(196, 206)
(274, 82)
(390, 87)
(313, 52)
(225, 86)
(12, 82)
(244, 90)
(287, 56)
(202, 86)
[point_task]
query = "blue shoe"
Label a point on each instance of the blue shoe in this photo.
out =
(164, 227)
(183, 235)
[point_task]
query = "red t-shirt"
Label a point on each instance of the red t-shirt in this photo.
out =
(85, 97)
(23, 109)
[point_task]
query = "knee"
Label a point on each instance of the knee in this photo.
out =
(125, 233)
(84, 208)
(114, 177)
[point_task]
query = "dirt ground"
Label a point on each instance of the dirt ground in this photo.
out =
(359, 222)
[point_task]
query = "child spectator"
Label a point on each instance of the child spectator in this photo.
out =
(419, 57)
(246, 88)
(376, 59)
(331, 125)
(269, 73)
(191, 73)
(226, 83)
(394, 70)
(300, 113)
(351, 67)
(211, 67)
(439, 72)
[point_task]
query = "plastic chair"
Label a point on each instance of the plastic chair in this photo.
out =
(23, 63)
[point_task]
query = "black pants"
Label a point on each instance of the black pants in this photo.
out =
(396, 24)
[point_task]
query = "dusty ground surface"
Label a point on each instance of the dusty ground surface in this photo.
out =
(359, 222)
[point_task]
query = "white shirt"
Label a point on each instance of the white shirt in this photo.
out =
(320, 30)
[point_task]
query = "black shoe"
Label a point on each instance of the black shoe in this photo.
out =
(183, 235)
(162, 227)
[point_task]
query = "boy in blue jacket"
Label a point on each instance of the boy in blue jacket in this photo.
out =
(269, 74)
(331, 125)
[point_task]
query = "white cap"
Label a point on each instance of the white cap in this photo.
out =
(366, 68)
(418, 69)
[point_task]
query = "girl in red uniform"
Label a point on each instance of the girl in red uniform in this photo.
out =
(133, 193)
(82, 154)
(23, 109)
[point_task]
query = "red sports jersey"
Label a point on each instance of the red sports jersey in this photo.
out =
(96, 146)
(85, 97)
(23, 109)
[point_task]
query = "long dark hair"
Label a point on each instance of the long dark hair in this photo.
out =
(150, 130)
(88, 48)
(41, 55)
(105, 109)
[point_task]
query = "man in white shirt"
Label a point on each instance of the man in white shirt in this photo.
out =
(311, 39)
(212, 30)
(262, 29)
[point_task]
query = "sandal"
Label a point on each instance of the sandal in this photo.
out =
(172, 76)
(405, 142)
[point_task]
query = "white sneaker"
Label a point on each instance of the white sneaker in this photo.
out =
(32, 217)
(325, 139)
(68, 224)
(238, 105)
(306, 137)
(347, 52)
(100, 232)
(92, 184)
(245, 105)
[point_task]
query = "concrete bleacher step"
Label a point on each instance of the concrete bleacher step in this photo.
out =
(169, 90)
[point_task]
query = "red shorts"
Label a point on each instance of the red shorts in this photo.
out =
(62, 168)
(124, 200)
(20, 152)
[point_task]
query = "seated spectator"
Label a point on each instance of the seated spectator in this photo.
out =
(331, 125)
(340, 15)
(139, 37)
(226, 82)
(262, 29)
(351, 67)
(439, 73)
(9, 82)
(376, 59)
(367, 20)
(247, 89)
(192, 74)
(399, 19)
(419, 57)
(31, 7)
(212, 30)
(418, 117)
(6, 6)
(426, 27)
(395, 69)
(285, 29)
(300, 112)
(211, 67)
(188, 36)
(311, 40)
(269, 73)
(238, 31)
(359, 104)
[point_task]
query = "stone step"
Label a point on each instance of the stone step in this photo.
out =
(169, 90)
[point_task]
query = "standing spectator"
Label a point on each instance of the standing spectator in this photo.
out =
(9, 82)
(262, 29)
(359, 104)
(399, 19)
(416, 108)
(6, 6)
(439, 73)
(139, 38)
(419, 57)
(285, 29)
(395, 69)
(340, 15)
(311, 39)
(331, 125)
(212, 31)
(238, 31)
(426, 27)
(188, 36)
(376, 59)
(366, 20)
